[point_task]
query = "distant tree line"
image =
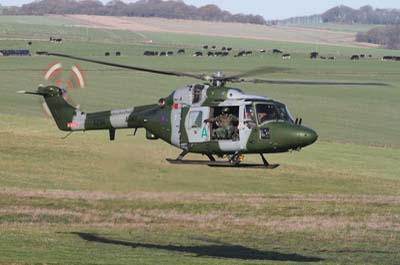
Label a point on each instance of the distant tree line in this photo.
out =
(303, 20)
(364, 15)
(387, 36)
(142, 8)
(344, 14)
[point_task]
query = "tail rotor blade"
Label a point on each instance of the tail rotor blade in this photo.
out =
(45, 109)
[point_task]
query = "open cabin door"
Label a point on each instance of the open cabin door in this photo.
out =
(197, 130)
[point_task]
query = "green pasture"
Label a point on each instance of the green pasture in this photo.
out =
(85, 200)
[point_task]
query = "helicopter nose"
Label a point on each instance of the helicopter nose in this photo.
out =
(306, 136)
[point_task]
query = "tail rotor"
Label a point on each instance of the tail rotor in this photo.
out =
(54, 75)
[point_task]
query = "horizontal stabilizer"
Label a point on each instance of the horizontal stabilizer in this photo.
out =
(29, 92)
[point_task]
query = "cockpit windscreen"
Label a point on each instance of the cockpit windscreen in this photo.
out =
(269, 111)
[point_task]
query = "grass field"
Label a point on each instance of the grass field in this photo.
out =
(84, 200)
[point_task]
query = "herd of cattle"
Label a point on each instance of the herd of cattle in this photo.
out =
(211, 51)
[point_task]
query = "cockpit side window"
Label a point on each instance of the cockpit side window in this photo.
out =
(249, 116)
(266, 112)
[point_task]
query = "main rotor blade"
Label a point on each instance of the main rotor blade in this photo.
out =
(287, 82)
(154, 71)
(258, 71)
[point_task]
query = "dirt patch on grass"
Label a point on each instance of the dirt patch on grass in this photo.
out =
(198, 197)
(276, 213)
(173, 218)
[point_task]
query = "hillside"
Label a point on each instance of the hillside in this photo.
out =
(221, 29)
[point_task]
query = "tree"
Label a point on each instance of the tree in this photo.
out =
(388, 37)
(143, 8)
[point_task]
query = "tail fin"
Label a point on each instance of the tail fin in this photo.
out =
(62, 112)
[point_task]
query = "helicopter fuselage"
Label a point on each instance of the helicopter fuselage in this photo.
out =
(262, 125)
(210, 119)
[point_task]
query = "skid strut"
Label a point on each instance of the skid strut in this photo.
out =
(235, 161)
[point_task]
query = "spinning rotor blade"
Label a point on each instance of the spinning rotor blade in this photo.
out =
(220, 78)
(154, 71)
(287, 82)
(45, 109)
(257, 71)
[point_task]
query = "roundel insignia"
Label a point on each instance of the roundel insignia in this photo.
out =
(163, 119)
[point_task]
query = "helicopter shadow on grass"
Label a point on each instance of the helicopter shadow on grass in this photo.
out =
(213, 251)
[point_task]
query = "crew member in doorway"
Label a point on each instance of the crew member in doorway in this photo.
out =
(226, 124)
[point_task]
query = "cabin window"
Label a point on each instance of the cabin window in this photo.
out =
(266, 112)
(197, 93)
(195, 119)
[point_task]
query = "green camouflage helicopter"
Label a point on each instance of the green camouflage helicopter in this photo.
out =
(209, 119)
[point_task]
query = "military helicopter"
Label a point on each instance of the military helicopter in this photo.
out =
(209, 118)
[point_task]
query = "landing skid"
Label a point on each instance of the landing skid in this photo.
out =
(187, 162)
(241, 165)
(214, 163)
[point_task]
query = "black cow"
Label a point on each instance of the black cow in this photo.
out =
(205, 47)
(181, 51)
(240, 54)
(210, 54)
(355, 57)
(223, 48)
(107, 54)
(322, 57)
(55, 40)
(29, 43)
(248, 53)
(286, 56)
(314, 55)
(276, 51)
(150, 53)
(363, 55)
(118, 54)
(332, 58)
(170, 53)
(163, 54)
(387, 58)
(213, 47)
(229, 49)
(198, 54)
